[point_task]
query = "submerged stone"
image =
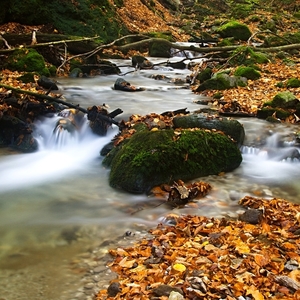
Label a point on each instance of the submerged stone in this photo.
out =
(151, 158)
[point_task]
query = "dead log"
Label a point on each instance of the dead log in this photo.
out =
(106, 118)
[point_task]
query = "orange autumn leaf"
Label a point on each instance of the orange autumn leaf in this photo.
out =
(242, 247)
(261, 260)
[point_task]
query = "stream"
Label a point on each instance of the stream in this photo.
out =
(59, 216)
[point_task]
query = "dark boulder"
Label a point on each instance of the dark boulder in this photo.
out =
(150, 158)
(16, 134)
(230, 127)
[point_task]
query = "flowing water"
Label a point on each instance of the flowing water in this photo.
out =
(58, 215)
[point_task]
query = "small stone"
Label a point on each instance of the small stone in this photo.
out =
(98, 269)
(252, 216)
(113, 289)
(165, 290)
(89, 285)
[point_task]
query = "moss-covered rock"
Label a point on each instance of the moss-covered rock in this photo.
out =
(151, 158)
(230, 127)
(236, 30)
(293, 83)
(271, 113)
(222, 81)
(158, 49)
(205, 74)
(248, 72)
(283, 105)
(283, 100)
(27, 60)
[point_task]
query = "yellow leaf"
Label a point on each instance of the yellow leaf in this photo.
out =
(179, 267)
(242, 248)
(255, 293)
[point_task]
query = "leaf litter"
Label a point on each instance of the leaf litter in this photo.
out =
(196, 257)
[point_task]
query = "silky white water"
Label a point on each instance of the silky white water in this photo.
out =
(57, 203)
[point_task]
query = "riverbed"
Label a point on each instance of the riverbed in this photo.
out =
(59, 216)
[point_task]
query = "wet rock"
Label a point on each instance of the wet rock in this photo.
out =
(151, 158)
(75, 73)
(230, 127)
(113, 289)
(123, 85)
(252, 216)
(16, 134)
(141, 62)
(47, 83)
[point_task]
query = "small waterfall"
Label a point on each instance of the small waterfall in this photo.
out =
(275, 161)
(63, 150)
(275, 150)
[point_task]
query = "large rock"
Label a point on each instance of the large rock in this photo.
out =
(222, 81)
(236, 30)
(16, 134)
(233, 128)
(150, 158)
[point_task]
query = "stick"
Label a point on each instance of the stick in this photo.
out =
(48, 98)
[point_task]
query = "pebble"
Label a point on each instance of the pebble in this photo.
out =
(89, 285)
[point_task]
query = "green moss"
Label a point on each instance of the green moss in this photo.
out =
(236, 30)
(246, 56)
(226, 42)
(293, 83)
(267, 113)
(162, 35)
(27, 77)
(241, 10)
(160, 49)
(83, 17)
(284, 100)
(248, 72)
(204, 74)
(27, 60)
(152, 158)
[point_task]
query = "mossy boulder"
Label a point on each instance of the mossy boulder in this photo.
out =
(293, 83)
(205, 74)
(282, 106)
(158, 49)
(27, 60)
(248, 72)
(283, 100)
(273, 114)
(150, 158)
(222, 81)
(236, 30)
(230, 127)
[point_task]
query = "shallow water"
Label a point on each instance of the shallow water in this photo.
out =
(56, 206)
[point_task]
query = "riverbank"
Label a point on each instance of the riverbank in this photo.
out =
(194, 257)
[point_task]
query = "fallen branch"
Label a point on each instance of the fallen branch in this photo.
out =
(40, 97)
(47, 44)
